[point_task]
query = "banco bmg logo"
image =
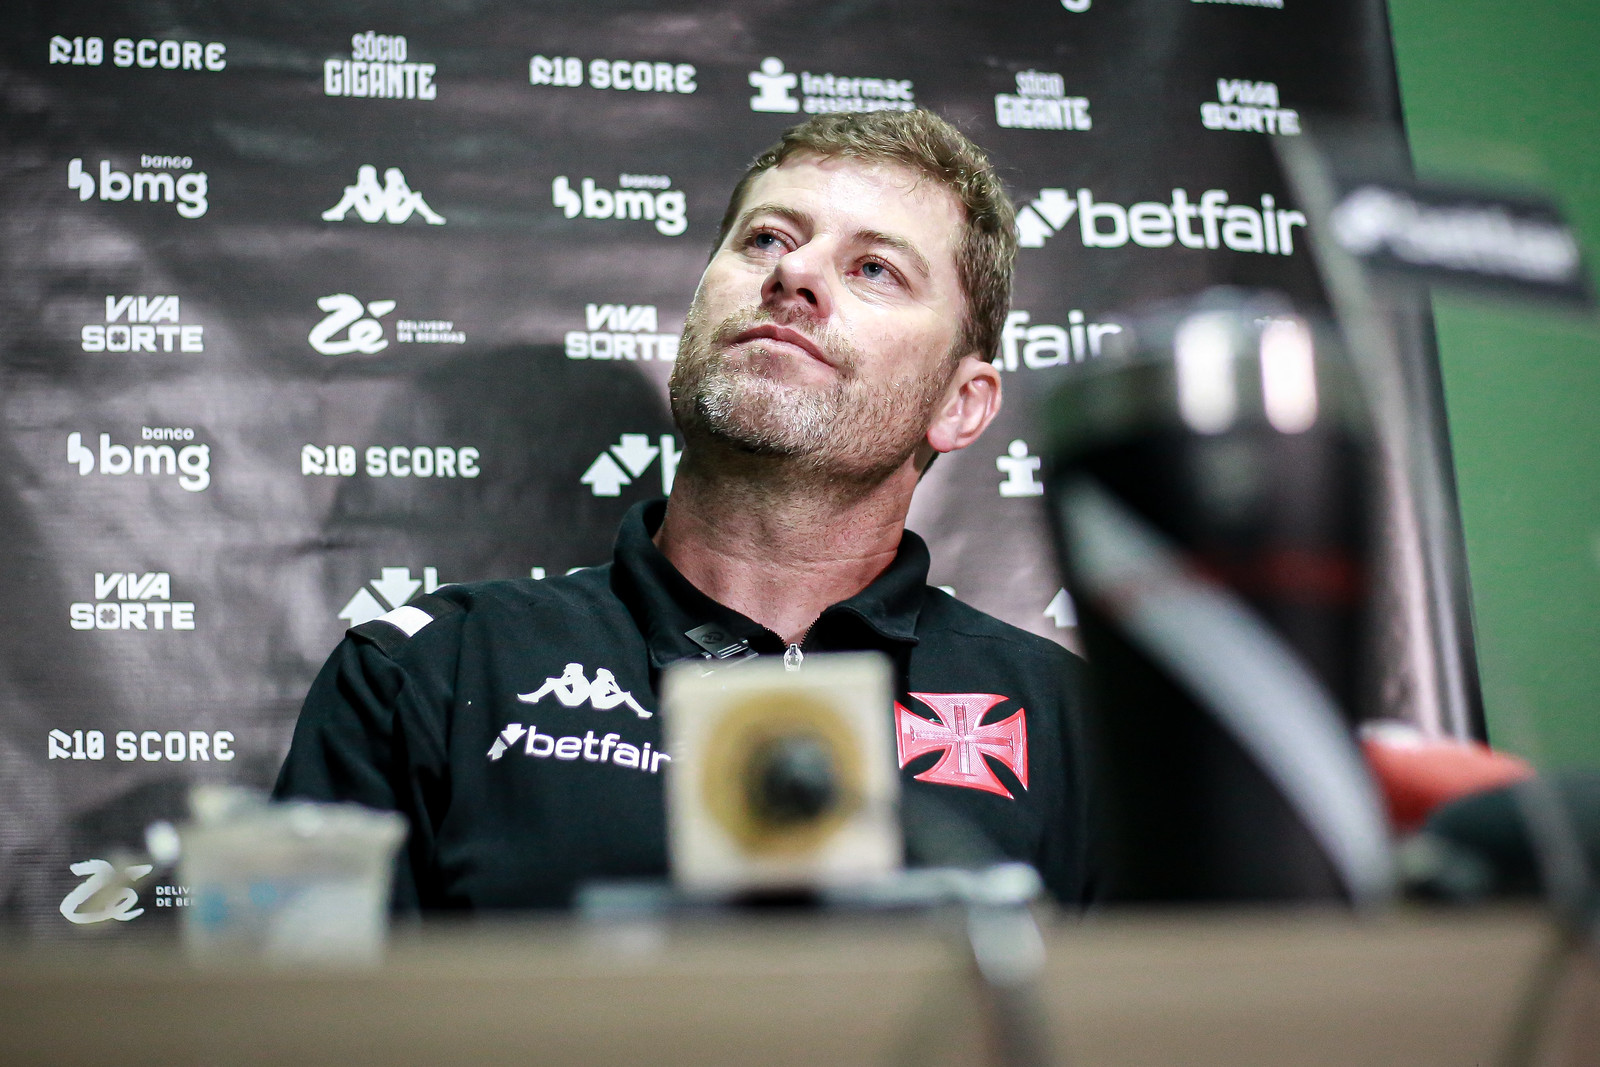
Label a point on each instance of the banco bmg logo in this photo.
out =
(392, 201)
(641, 197)
(190, 464)
(157, 183)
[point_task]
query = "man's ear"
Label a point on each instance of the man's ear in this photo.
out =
(971, 401)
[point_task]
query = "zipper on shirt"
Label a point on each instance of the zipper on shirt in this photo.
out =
(794, 655)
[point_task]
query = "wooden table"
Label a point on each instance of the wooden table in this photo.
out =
(1226, 988)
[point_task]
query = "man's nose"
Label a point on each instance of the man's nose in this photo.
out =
(800, 280)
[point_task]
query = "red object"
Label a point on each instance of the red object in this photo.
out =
(1419, 774)
(964, 741)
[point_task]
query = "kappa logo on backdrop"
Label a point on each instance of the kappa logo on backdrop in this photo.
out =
(665, 206)
(622, 332)
(143, 324)
(1155, 224)
(147, 53)
(105, 893)
(153, 185)
(394, 586)
(1248, 106)
(573, 688)
(394, 201)
(132, 601)
(958, 733)
(636, 75)
(392, 461)
(151, 746)
(626, 460)
(1047, 345)
(191, 464)
(1041, 103)
(377, 69)
(822, 94)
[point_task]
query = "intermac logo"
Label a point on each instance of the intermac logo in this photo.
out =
(822, 94)
(393, 202)
(153, 185)
(666, 207)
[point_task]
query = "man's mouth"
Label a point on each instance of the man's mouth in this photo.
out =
(768, 331)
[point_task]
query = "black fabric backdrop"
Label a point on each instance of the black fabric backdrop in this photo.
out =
(277, 557)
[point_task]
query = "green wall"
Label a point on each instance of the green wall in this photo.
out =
(1513, 89)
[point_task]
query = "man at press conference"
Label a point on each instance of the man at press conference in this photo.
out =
(841, 337)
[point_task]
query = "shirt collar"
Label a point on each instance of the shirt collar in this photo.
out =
(666, 605)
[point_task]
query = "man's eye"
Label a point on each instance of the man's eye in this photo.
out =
(874, 271)
(765, 241)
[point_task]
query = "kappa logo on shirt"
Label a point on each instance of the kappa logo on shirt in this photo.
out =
(959, 732)
(573, 687)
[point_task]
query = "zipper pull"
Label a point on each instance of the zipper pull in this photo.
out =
(792, 658)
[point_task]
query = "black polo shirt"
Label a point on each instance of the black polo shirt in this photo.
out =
(513, 723)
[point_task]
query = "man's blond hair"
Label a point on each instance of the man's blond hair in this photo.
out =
(925, 143)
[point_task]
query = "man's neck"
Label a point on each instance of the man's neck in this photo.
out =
(777, 545)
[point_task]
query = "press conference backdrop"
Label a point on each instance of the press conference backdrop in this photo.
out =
(309, 307)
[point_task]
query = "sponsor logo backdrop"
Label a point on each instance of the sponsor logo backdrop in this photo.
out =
(309, 308)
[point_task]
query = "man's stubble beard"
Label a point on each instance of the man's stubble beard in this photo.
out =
(848, 430)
